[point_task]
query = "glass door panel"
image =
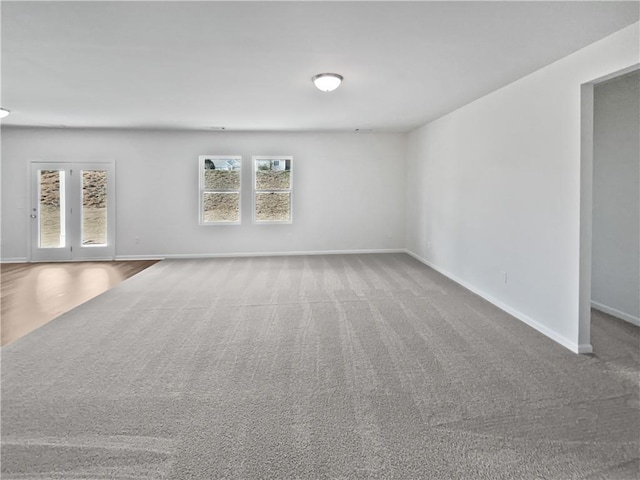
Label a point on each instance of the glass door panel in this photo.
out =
(51, 209)
(95, 199)
(94, 207)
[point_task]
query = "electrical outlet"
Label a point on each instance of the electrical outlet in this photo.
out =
(137, 240)
(428, 244)
(504, 276)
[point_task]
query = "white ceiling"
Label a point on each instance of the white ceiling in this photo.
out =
(248, 65)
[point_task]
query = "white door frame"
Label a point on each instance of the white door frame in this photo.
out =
(586, 207)
(73, 249)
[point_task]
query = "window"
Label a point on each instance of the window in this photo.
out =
(272, 192)
(219, 189)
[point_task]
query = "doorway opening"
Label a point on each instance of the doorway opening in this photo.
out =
(609, 205)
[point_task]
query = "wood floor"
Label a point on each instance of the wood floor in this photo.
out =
(32, 294)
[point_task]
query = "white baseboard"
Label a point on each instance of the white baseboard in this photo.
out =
(256, 254)
(14, 260)
(92, 259)
(565, 342)
(139, 257)
(616, 313)
(88, 259)
(585, 348)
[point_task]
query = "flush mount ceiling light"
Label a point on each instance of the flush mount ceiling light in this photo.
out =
(327, 82)
(4, 112)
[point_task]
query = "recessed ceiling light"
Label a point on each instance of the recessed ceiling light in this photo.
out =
(327, 82)
(4, 112)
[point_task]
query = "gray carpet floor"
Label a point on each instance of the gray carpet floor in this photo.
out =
(317, 367)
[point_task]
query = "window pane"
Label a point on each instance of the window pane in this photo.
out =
(52, 209)
(273, 207)
(94, 207)
(221, 174)
(221, 207)
(273, 174)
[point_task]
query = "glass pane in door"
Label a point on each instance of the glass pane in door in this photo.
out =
(94, 207)
(51, 188)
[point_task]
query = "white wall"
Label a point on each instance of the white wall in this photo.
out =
(495, 187)
(615, 286)
(348, 189)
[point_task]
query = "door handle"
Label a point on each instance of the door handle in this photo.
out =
(33, 216)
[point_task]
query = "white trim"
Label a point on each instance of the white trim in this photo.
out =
(14, 260)
(585, 214)
(257, 254)
(616, 74)
(93, 259)
(72, 260)
(584, 348)
(616, 313)
(139, 257)
(565, 342)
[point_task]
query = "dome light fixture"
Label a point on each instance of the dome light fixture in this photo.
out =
(327, 82)
(4, 112)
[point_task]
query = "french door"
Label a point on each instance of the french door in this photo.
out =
(72, 211)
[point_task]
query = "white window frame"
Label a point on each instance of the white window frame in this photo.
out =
(202, 190)
(256, 158)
